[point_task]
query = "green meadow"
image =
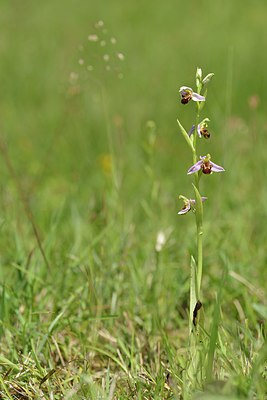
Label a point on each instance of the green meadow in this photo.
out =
(92, 162)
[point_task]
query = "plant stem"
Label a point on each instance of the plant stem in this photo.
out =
(198, 217)
(199, 258)
(195, 146)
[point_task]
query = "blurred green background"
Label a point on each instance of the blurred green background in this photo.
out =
(57, 129)
(57, 140)
(56, 133)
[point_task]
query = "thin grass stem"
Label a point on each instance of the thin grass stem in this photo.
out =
(24, 200)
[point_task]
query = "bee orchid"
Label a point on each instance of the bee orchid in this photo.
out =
(206, 165)
(202, 129)
(189, 204)
(187, 94)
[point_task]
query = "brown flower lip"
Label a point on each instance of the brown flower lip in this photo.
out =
(202, 129)
(205, 133)
(186, 98)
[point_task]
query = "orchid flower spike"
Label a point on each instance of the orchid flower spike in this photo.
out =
(187, 94)
(205, 165)
(189, 204)
(202, 129)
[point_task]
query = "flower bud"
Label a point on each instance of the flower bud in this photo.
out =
(208, 78)
(199, 78)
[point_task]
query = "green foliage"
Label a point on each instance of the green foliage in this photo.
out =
(94, 264)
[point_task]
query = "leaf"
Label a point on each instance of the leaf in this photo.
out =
(185, 135)
(47, 376)
(261, 309)
(193, 291)
(214, 328)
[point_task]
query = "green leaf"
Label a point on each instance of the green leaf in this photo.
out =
(193, 291)
(261, 309)
(185, 135)
(214, 329)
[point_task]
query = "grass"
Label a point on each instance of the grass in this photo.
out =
(89, 309)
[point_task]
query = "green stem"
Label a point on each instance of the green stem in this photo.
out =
(198, 217)
(199, 258)
(110, 138)
(108, 129)
(195, 145)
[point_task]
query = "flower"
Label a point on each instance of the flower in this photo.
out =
(187, 94)
(188, 203)
(206, 165)
(201, 129)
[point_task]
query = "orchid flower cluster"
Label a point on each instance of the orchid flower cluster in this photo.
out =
(201, 166)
